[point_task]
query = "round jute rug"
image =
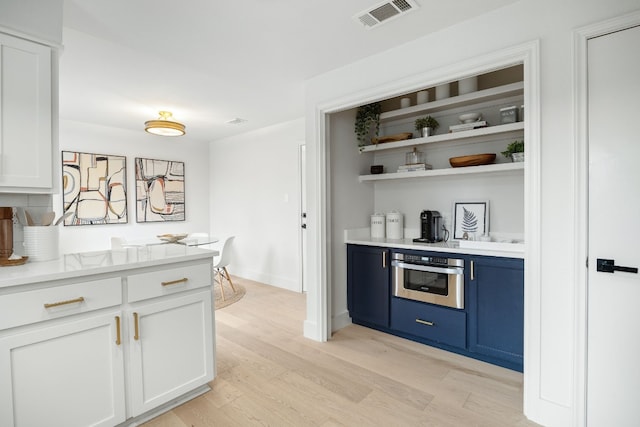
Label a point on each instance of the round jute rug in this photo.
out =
(229, 295)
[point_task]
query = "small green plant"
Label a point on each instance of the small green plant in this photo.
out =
(427, 122)
(516, 146)
(366, 117)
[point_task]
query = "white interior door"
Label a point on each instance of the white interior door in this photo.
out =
(613, 344)
(303, 212)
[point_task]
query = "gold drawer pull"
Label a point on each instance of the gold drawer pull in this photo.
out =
(174, 282)
(118, 330)
(136, 334)
(425, 322)
(59, 303)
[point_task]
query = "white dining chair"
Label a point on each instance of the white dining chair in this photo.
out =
(221, 262)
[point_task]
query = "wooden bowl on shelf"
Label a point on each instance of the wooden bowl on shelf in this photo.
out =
(472, 160)
(392, 138)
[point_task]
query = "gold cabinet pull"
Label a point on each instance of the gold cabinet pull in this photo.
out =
(136, 332)
(174, 282)
(118, 330)
(473, 271)
(59, 303)
(425, 322)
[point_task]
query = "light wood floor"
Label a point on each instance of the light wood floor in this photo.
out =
(269, 375)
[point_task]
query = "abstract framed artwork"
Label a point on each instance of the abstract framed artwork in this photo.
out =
(94, 188)
(159, 190)
(470, 219)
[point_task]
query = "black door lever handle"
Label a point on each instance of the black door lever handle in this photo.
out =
(609, 266)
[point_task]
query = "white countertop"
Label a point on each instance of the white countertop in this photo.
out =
(362, 237)
(88, 263)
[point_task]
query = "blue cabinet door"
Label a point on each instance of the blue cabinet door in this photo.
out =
(495, 304)
(368, 288)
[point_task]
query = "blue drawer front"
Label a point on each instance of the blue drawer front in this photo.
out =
(439, 324)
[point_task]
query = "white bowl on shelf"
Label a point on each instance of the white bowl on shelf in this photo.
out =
(470, 117)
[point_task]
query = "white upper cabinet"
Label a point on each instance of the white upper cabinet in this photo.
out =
(26, 124)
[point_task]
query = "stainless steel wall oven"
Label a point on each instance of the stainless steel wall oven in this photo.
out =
(436, 280)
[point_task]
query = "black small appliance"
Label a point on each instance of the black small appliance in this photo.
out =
(430, 227)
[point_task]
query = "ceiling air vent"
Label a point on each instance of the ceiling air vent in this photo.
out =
(384, 12)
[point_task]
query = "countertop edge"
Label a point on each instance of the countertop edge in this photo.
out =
(47, 271)
(433, 247)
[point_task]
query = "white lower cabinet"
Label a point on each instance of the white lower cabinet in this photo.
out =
(171, 349)
(81, 353)
(69, 374)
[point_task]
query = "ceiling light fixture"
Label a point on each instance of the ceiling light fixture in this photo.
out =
(164, 126)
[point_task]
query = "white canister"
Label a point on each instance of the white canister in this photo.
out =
(442, 91)
(422, 96)
(405, 102)
(377, 226)
(468, 85)
(395, 225)
(41, 243)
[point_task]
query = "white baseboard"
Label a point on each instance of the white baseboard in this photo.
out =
(311, 331)
(275, 280)
(341, 320)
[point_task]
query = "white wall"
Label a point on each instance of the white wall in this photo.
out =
(255, 196)
(550, 393)
(45, 25)
(90, 138)
(352, 203)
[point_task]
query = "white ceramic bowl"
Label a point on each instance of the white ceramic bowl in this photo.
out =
(470, 117)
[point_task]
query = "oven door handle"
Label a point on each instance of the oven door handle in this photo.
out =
(453, 270)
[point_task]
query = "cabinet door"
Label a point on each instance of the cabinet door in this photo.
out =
(172, 351)
(496, 308)
(25, 115)
(69, 374)
(368, 288)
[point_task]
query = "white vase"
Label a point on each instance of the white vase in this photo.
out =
(422, 97)
(468, 85)
(442, 91)
(517, 157)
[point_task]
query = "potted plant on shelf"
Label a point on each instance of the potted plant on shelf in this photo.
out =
(427, 125)
(367, 119)
(515, 151)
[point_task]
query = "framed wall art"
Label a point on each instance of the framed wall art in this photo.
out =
(94, 188)
(159, 190)
(470, 219)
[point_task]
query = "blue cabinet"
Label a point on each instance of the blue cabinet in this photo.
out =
(495, 307)
(368, 285)
(489, 328)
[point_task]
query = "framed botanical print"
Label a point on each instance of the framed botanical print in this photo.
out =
(470, 219)
(159, 190)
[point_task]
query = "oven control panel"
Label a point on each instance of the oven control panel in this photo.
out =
(428, 260)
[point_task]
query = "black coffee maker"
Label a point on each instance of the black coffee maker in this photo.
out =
(430, 227)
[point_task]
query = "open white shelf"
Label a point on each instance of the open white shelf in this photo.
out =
(455, 101)
(479, 134)
(500, 167)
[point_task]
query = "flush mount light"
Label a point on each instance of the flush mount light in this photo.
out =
(164, 126)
